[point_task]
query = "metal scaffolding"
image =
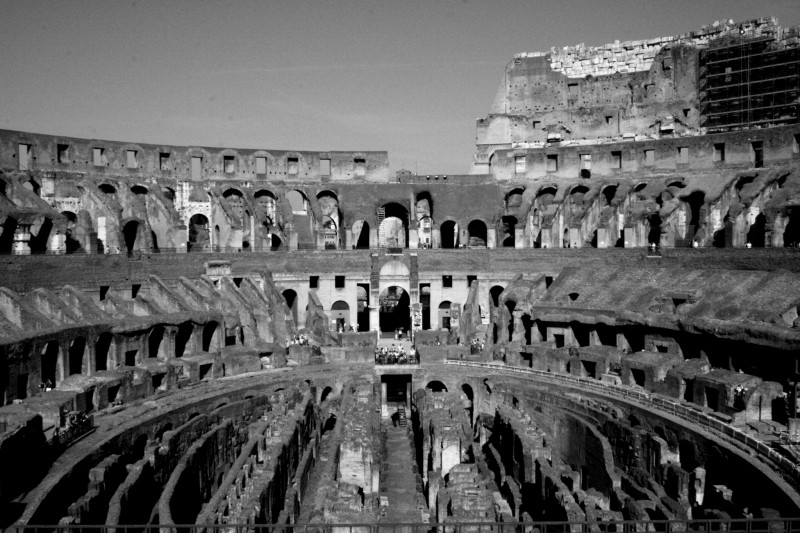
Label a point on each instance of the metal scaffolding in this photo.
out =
(750, 82)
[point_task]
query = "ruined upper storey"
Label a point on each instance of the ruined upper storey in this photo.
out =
(726, 77)
(32, 151)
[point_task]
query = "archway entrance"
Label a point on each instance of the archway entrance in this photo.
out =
(394, 310)
(444, 315)
(291, 301)
(340, 315)
(392, 226)
(477, 233)
(449, 234)
(198, 232)
(130, 231)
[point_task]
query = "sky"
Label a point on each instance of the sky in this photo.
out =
(409, 77)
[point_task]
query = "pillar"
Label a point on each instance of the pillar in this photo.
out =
(408, 399)
(384, 406)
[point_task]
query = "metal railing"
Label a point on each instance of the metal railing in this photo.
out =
(743, 525)
(763, 450)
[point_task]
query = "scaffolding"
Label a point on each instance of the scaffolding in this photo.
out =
(749, 83)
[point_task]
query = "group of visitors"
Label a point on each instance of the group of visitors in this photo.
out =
(394, 355)
(398, 333)
(46, 386)
(348, 328)
(476, 345)
(300, 339)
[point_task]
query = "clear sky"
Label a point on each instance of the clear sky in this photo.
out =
(405, 76)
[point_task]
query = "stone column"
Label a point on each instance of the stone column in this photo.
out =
(384, 406)
(22, 237)
(408, 399)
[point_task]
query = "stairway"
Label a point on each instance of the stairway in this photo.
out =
(398, 480)
(401, 415)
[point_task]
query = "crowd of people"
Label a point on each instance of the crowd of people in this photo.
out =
(476, 345)
(394, 355)
(300, 339)
(348, 328)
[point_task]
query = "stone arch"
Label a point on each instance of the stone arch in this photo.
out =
(394, 309)
(393, 269)
(757, 232)
(654, 232)
(436, 386)
(265, 207)
(607, 194)
(547, 192)
(508, 226)
(275, 242)
(330, 231)
(791, 231)
(72, 244)
(76, 356)
(7, 236)
(514, 197)
(139, 190)
(327, 193)
(578, 189)
(155, 346)
(423, 206)
(361, 235)
(40, 236)
(183, 338)
(290, 296)
(393, 229)
(340, 314)
(107, 188)
(444, 314)
(298, 202)
(32, 185)
(478, 233)
(101, 348)
(449, 234)
(235, 200)
(210, 336)
(49, 363)
(131, 232)
(325, 393)
(495, 293)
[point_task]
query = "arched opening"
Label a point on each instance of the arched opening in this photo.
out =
(49, 363)
(508, 225)
(7, 237)
(395, 312)
(291, 302)
(695, 201)
(275, 242)
(361, 235)
(298, 202)
(436, 386)
(654, 233)
(182, 338)
(340, 315)
(495, 293)
(130, 231)
(424, 205)
(608, 194)
(362, 313)
(107, 188)
(72, 244)
(393, 227)
(510, 306)
(449, 234)
(677, 184)
(791, 233)
(330, 233)
(217, 239)
(477, 233)
(154, 344)
(101, 348)
(33, 186)
(77, 349)
(198, 233)
(38, 242)
(246, 230)
(757, 232)
(209, 336)
(265, 207)
(467, 390)
(513, 198)
(325, 393)
(444, 315)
